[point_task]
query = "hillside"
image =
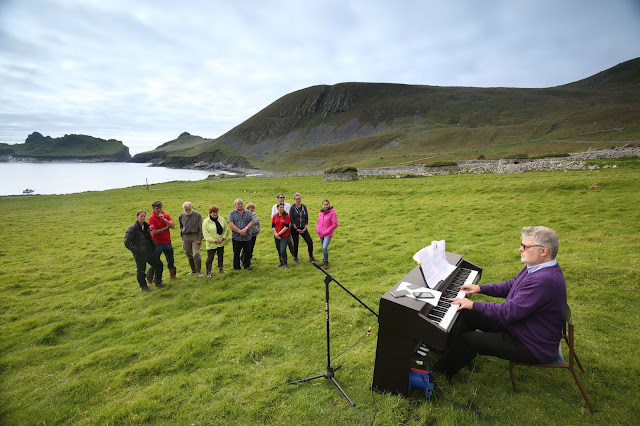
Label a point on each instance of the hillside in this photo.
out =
(68, 147)
(379, 124)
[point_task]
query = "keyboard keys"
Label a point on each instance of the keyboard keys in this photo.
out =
(444, 312)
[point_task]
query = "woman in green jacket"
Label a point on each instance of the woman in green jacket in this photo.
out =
(215, 231)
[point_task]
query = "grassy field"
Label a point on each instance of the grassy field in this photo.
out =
(81, 344)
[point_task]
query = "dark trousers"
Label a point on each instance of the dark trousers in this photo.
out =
(167, 249)
(211, 254)
(153, 259)
(241, 251)
(253, 244)
(492, 339)
(295, 237)
(282, 244)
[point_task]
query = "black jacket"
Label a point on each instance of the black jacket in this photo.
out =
(139, 240)
(299, 216)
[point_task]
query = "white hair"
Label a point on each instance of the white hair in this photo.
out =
(187, 203)
(544, 236)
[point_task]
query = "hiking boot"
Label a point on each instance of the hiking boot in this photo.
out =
(312, 259)
(160, 285)
(145, 288)
(326, 265)
(172, 274)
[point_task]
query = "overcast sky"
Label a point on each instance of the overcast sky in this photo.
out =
(145, 71)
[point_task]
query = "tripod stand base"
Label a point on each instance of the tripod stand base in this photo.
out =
(328, 374)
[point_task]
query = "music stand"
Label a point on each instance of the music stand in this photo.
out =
(329, 372)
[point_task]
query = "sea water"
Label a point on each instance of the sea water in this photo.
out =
(72, 177)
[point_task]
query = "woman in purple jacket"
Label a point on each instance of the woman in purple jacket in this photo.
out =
(327, 222)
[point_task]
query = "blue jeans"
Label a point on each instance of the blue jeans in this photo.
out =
(167, 249)
(282, 244)
(324, 241)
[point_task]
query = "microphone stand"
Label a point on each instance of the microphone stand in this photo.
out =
(329, 373)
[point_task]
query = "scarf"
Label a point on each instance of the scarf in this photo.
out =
(218, 226)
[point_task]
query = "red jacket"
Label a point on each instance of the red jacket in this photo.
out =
(156, 223)
(279, 222)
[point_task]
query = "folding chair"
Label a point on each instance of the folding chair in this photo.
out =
(558, 362)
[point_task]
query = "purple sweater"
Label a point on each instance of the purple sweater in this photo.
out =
(533, 310)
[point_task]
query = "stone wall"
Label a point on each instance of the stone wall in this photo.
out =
(345, 176)
(575, 161)
(617, 152)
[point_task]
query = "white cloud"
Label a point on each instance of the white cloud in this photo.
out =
(143, 72)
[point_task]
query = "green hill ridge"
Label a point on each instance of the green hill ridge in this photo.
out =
(382, 124)
(67, 147)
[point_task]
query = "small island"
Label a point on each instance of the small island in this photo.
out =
(38, 148)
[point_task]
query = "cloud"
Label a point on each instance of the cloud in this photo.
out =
(143, 72)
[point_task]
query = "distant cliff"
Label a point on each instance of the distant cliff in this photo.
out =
(68, 147)
(178, 154)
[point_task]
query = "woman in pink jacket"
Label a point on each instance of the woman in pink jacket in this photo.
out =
(327, 222)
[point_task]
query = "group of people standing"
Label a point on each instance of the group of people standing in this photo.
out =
(148, 240)
(290, 222)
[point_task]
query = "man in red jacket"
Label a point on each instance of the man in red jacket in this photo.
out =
(161, 224)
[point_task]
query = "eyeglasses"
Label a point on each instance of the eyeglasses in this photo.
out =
(526, 247)
(281, 197)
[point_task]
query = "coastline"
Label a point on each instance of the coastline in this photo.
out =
(66, 177)
(13, 159)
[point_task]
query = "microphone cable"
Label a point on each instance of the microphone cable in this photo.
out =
(366, 334)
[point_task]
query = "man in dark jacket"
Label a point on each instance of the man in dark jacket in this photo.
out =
(138, 239)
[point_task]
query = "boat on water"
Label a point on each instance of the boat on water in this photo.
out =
(28, 191)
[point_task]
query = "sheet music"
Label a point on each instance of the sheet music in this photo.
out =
(433, 262)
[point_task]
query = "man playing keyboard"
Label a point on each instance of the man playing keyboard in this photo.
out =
(527, 326)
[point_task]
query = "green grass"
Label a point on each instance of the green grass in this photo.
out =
(81, 344)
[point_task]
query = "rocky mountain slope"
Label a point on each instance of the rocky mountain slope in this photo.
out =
(378, 124)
